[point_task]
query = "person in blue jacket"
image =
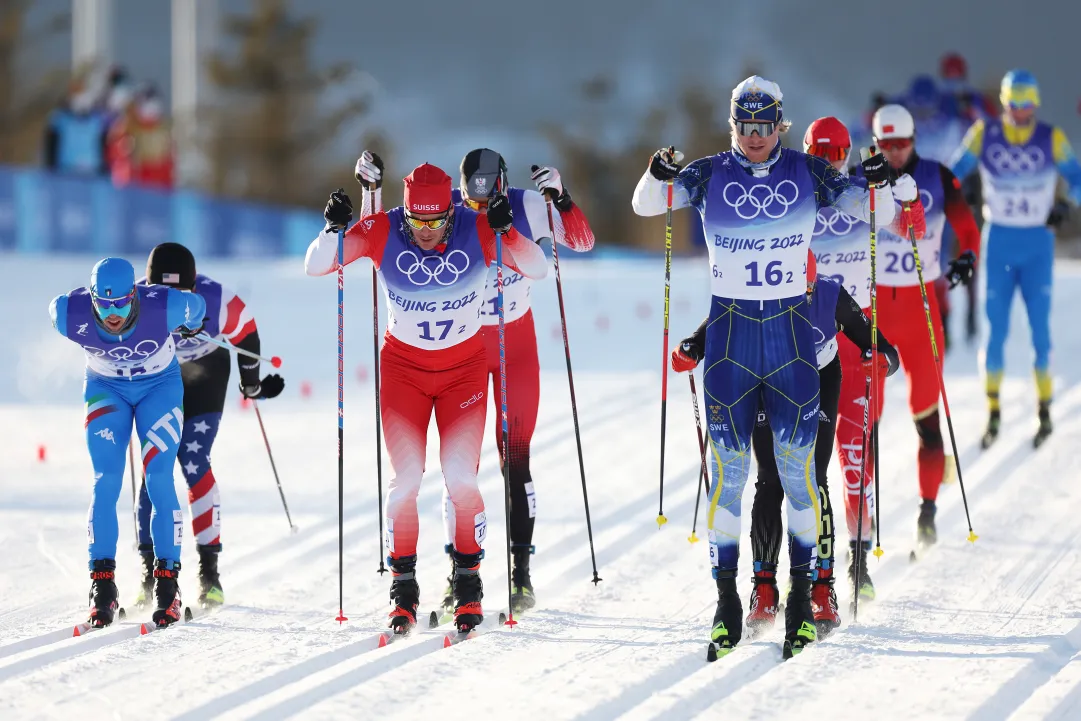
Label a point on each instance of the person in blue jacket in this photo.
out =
(131, 375)
(1020, 160)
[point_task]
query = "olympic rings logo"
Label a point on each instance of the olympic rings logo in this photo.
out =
(761, 198)
(927, 200)
(142, 350)
(834, 221)
(444, 270)
(1015, 160)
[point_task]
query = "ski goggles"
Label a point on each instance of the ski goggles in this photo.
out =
(747, 128)
(434, 224)
(114, 306)
(832, 153)
(1020, 97)
(474, 204)
(894, 143)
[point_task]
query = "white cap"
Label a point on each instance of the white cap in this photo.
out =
(893, 121)
(758, 84)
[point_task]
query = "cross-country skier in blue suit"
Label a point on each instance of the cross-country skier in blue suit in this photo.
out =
(759, 203)
(1020, 160)
(131, 374)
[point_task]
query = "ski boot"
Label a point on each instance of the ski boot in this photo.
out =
(522, 598)
(404, 594)
(728, 620)
(926, 535)
(863, 585)
(1045, 424)
(994, 421)
(764, 600)
(146, 583)
(210, 593)
(103, 596)
(824, 603)
(167, 593)
(468, 591)
(798, 618)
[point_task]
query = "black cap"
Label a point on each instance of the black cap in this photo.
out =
(483, 172)
(171, 264)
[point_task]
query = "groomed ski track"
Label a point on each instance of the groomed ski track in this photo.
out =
(984, 631)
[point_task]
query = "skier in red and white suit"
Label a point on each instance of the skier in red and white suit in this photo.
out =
(432, 258)
(482, 172)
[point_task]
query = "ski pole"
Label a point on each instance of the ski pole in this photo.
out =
(378, 415)
(863, 499)
(273, 360)
(341, 425)
(938, 366)
(570, 380)
(503, 413)
(873, 396)
(703, 472)
(661, 520)
(273, 468)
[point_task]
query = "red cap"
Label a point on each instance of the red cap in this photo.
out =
(828, 132)
(427, 191)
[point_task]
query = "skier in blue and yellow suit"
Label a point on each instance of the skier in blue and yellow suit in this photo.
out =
(1020, 159)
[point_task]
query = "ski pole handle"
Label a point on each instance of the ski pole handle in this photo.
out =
(273, 360)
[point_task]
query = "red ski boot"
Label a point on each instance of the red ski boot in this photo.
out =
(824, 603)
(764, 602)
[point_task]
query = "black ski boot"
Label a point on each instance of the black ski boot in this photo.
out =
(1045, 424)
(146, 583)
(167, 593)
(799, 622)
(468, 591)
(404, 594)
(993, 422)
(103, 595)
(210, 593)
(857, 552)
(926, 535)
(522, 598)
(728, 620)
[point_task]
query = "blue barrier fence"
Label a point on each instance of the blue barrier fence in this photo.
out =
(41, 212)
(45, 213)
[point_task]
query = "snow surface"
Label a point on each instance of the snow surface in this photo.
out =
(984, 631)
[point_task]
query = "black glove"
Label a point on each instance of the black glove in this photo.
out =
(500, 215)
(339, 210)
(876, 169)
(960, 269)
(186, 332)
(369, 170)
(1060, 213)
(664, 164)
(562, 200)
(270, 387)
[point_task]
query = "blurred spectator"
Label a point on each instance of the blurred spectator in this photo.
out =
(116, 96)
(968, 102)
(75, 136)
(141, 144)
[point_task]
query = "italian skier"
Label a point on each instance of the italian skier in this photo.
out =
(132, 375)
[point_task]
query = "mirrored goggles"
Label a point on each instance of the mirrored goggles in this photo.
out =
(434, 224)
(895, 143)
(832, 153)
(747, 128)
(114, 306)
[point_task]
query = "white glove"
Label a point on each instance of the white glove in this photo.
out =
(548, 179)
(905, 190)
(369, 170)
